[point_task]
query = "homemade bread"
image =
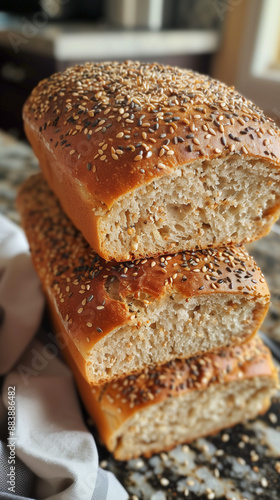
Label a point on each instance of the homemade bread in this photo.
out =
(148, 159)
(182, 400)
(118, 318)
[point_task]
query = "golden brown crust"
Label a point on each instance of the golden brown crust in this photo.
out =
(75, 278)
(126, 396)
(102, 130)
(247, 360)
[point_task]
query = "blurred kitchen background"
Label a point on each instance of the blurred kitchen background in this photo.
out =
(236, 41)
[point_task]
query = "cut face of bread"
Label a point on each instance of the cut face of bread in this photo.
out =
(119, 318)
(190, 416)
(148, 160)
(174, 328)
(197, 206)
(182, 400)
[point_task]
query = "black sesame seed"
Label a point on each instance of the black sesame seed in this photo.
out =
(223, 141)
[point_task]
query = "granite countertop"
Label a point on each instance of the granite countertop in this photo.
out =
(242, 463)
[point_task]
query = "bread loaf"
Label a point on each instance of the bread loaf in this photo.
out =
(147, 159)
(182, 400)
(118, 318)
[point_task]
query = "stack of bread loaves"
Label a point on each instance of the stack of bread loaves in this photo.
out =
(163, 174)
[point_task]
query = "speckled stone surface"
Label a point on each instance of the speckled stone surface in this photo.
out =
(242, 463)
(237, 464)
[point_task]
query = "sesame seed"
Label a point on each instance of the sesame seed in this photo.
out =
(273, 418)
(164, 481)
(264, 482)
(138, 158)
(225, 438)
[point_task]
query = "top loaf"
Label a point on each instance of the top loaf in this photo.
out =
(149, 159)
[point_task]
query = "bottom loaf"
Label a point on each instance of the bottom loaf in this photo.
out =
(183, 400)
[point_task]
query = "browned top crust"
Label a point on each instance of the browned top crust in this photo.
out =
(116, 126)
(155, 384)
(76, 279)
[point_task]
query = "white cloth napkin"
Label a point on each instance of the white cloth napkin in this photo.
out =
(21, 299)
(51, 437)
